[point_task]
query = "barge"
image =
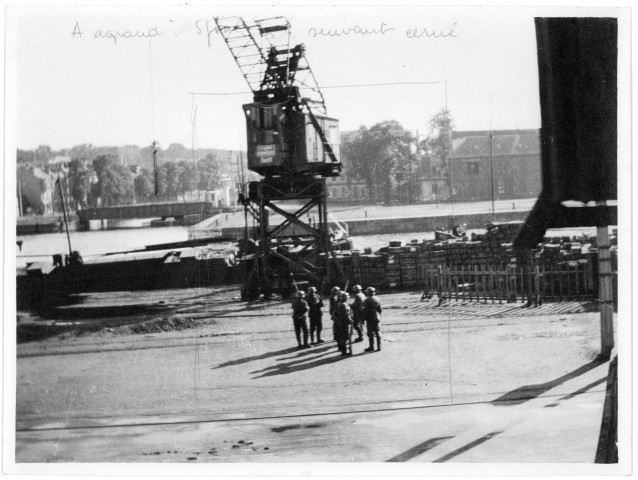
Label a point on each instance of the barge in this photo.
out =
(191, 263)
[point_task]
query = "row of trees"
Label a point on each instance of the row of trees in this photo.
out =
(105, 181)
(391, 159)
(387, 157)
(128, 154)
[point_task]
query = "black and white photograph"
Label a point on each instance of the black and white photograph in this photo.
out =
(317, 240)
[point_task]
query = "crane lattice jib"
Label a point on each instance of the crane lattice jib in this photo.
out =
(272, 64)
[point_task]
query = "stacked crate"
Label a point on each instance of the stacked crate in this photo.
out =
(368, 270)
(409, 264)
(562, 267)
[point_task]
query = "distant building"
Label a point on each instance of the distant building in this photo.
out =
(513, 164)
(212, 196)
(514, 161)
(346, 188)
(37, 188)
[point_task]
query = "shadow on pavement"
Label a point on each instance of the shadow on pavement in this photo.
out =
(530, 392)
(419, 449)
(298, 364)
(253, 358)
(580, 391)
(465, 448)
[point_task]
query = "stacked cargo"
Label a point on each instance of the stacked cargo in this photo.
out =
(368, 270)
(499, 232)
(561, 267)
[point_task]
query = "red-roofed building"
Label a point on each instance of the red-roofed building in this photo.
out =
(514, 162)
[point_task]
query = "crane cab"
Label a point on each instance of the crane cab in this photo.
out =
(283, 140)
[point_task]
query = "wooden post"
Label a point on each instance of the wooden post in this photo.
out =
(605, 294)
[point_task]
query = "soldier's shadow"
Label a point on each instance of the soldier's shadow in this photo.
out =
(311, 358)
(241, 361)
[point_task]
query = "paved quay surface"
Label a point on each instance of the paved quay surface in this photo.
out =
(456, 383)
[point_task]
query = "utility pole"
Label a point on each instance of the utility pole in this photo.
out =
(155, 170)
(66, 222)
(446, 95)
(20, 197)
(492, 172)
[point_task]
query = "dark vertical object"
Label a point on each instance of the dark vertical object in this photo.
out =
(20, 209)
(577, 66)
(66, 222)
(155, 170)
(577, 63)
(607, 450)
(492, 171)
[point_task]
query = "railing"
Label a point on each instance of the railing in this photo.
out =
(572, 280)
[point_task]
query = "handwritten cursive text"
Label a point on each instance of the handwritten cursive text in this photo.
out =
(355, 30)
(431, 33)
(115, 35)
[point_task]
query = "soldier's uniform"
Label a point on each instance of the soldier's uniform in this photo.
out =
(334, 299)
(315, 303)
(372, 313)
(357, 312)
(299, 311)
(342, 321)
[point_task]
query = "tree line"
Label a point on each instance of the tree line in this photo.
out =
(391, 160)
(388, 158)
(105, 180)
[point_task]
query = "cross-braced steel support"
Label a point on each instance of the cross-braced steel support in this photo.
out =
(295, 250)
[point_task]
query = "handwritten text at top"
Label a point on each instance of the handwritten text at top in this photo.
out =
(208, 28)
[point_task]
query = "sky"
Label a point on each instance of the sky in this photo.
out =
(72, 80)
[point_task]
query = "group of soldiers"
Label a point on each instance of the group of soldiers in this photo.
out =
(365, 308)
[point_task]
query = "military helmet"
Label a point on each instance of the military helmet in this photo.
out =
(370, 291)
(343, 296)
(301, 293)
(312, 289)
(357, 288)
(335, 289)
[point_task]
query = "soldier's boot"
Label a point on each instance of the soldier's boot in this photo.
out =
(378, 344)
(305, 341)
(359, 335)
(298, 340)
(319, 336)
(371, 347)
(312, 337)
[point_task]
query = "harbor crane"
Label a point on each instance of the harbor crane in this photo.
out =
(294, 145)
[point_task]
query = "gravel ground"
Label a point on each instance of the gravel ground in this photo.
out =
(207, 356)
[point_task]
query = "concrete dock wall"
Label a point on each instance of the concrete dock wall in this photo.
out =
(429, 224)
(375, 226)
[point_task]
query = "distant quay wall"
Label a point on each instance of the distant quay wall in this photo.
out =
(377, 226)
(32, 225)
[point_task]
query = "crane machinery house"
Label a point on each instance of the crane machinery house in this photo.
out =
(285, 140)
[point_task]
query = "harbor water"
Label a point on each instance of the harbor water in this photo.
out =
(37, 248)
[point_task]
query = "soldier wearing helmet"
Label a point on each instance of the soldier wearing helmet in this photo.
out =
(315, 303)
(334, 299)
(357, 312)
(342, 323)
(372, 315)
(299, 311)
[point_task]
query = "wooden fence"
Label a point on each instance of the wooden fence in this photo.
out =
(573, 280)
